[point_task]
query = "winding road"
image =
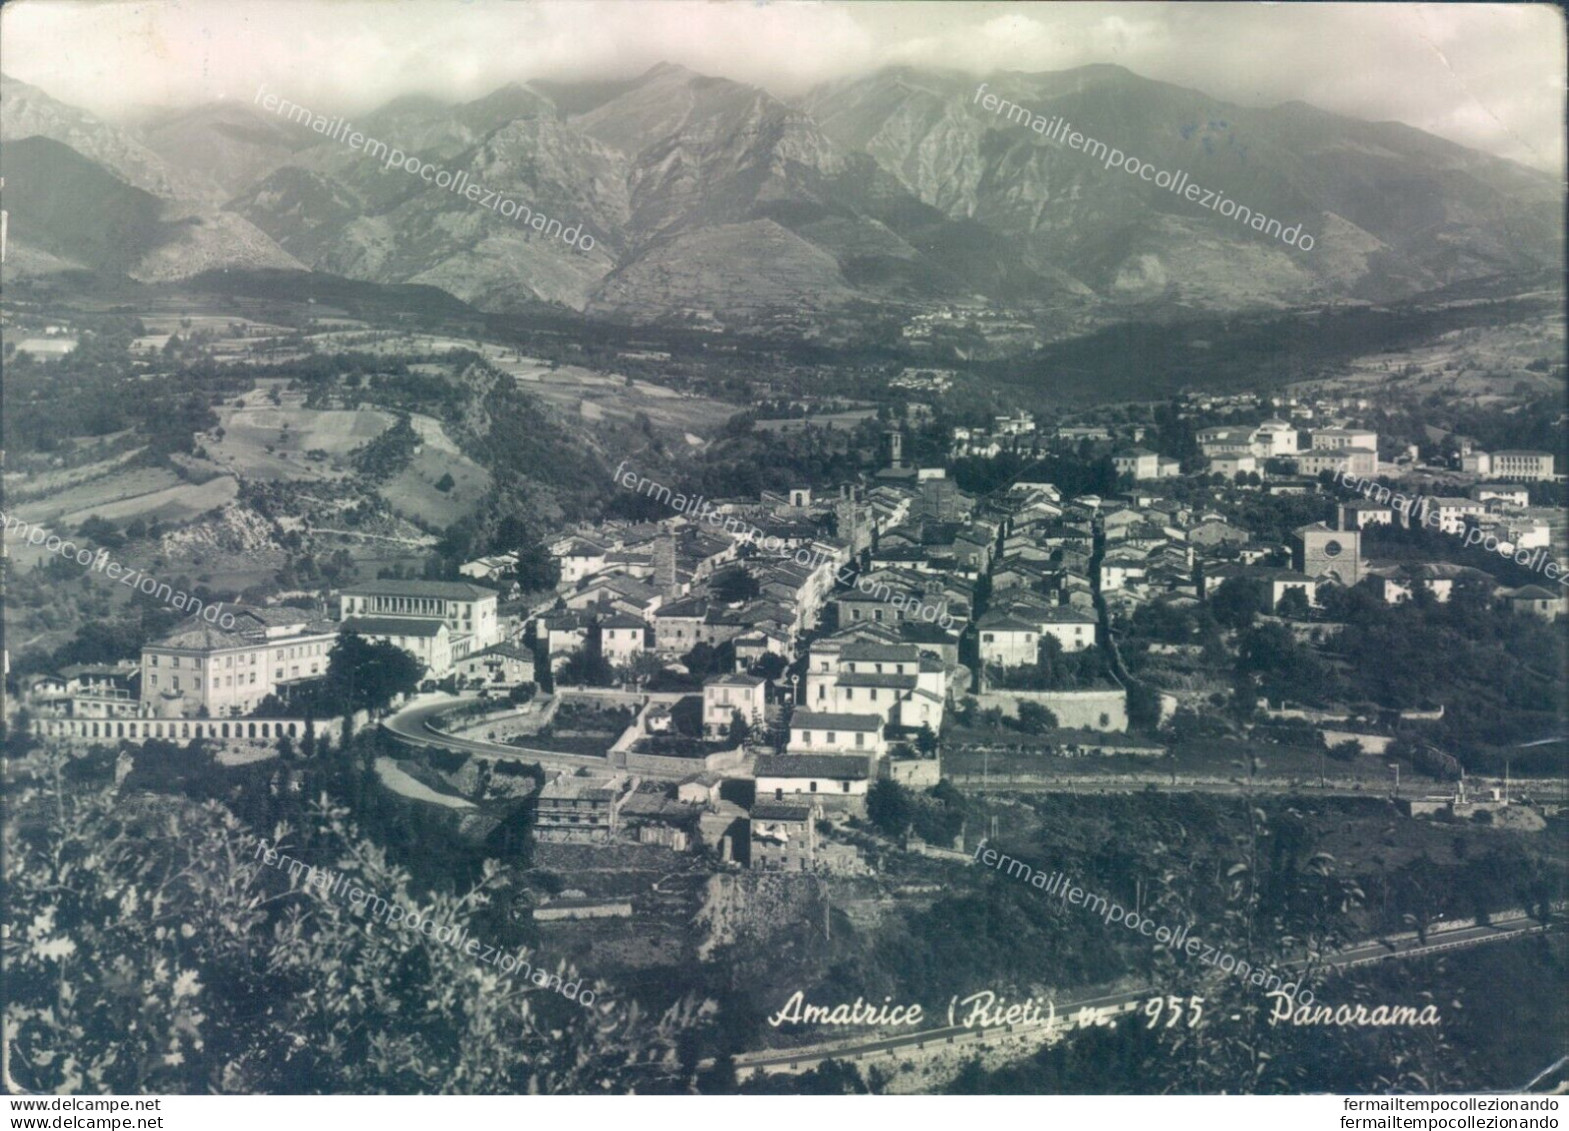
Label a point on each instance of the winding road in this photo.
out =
(412, 726)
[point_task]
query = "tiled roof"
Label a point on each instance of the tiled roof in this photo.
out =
(841, 767)
(395, 626)
(445, 590)
(778, 811)
(834, 720)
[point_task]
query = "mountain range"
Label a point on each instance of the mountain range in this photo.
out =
(712, 201)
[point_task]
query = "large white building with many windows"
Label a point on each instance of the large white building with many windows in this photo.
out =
(201, 668)
(468, 610)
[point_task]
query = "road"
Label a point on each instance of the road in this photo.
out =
(1116, 1004)
(412, 725)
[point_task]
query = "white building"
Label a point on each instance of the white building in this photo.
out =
(467, 610)
(830, 781)
(1452, 512)
(1137, 462)
(724, 695)
(896, 683)
(834, 732)
(227, 672)
(1332, 438)
(622, 638)
(1008, 641)
(1275, 438)
(428, 641)
(1521, 465)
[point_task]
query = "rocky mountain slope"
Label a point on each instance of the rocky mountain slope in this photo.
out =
(706, 198)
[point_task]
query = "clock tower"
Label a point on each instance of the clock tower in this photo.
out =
(1318, 551)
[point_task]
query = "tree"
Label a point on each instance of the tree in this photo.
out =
(1293, 605)
(537, 569)
(267, 985)
(889, 807)
(1347, 751)
(362, 676)
(1236, 603)
(1034, 718)
(740, 729)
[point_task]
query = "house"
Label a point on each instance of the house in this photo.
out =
(580, 810)
(492, 567)
(202, 668)
(783, 837)
(1216, 532)
(563, 633)
(1336, 461)
(622, 638)
(1363, 513)
(1225, 441)
(1072, 628)
(1137, 462)
(1452, 511)
(1007, 641)
(580, 559)
(725, 695)
(1516, 497)
(833, 732)
(678, 625)
(1233, 464)
(1275, 438)
(1535, 601)
(499, 667)
(1276, 583)
(468, 610)
(700, 789)
(835, 782)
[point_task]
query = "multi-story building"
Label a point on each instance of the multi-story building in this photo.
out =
(1008, 641)
(783, 837)
(499, 667)
(202, 668)
(1137, 462)
(897, 683)
(1452, 511)
(1233, 465)
(1521, 465)
(724, 695)
(468, 610)
(1362, 513)
(1275, 438)
(428, 641)
(622, 638)
(580, 810)
(1319, 460)
(1073, 628)
(1332, 438)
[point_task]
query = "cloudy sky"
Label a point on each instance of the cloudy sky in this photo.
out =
(1491, 76)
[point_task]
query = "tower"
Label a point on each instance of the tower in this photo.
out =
(664, 555)
(895, 447)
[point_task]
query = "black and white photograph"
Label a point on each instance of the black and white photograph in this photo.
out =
(743, 548)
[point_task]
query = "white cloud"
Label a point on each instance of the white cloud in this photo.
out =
(1486, 76)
